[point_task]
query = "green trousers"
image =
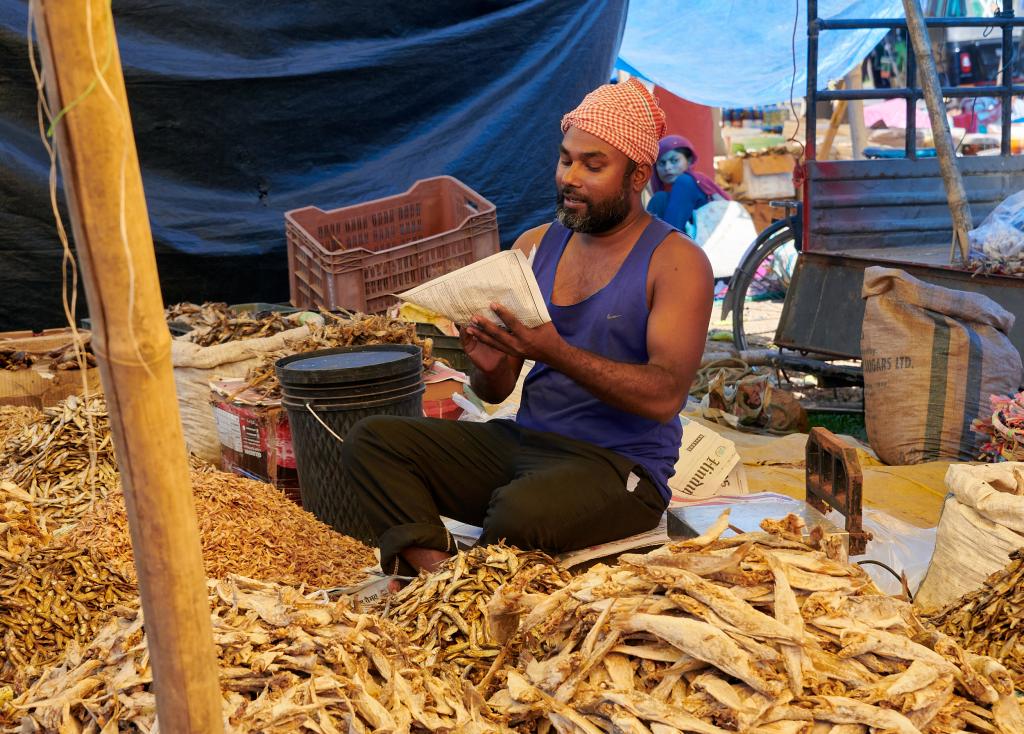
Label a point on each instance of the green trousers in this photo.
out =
(533, 490)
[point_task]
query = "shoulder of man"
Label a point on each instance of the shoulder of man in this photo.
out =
(531, 238)
(677, 253)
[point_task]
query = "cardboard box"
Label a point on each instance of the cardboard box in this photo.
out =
(769, 176)
(41, 342)
(731, 169)
(39, 387)
(437, 399)
(255, 437)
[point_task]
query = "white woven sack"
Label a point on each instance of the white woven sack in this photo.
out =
(195, 366)
(990, 490)
(968, 549)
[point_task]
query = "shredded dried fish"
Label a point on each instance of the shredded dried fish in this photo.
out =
(247, 528)
(663, 643)
(287, 663)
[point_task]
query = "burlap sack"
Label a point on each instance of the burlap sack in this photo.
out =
(932, 357)
(982, 523)
(196, 366)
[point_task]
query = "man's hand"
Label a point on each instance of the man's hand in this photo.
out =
(541, 343)
(483, 357)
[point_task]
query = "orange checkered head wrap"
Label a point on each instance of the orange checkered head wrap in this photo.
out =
(626, 116)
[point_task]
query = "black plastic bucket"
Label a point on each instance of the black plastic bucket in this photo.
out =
(326, 393)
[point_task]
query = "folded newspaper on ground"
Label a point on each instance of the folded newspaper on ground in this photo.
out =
(705, 462)
(506, 278)
(370, 590)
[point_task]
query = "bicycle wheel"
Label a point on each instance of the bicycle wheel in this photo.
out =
(759, 289)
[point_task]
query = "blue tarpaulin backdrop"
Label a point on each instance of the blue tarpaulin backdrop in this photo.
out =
(739, 53)
(245, 109)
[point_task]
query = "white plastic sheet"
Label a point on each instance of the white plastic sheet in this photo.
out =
(899, 545)
(737, 53)
(724, 230)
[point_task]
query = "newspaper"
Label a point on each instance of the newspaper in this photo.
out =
(505, 278)
(705, 462)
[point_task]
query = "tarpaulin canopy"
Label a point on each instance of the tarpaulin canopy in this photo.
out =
(245, 110)
(739, 53)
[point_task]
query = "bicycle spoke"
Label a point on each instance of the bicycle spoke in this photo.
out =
(757, 313)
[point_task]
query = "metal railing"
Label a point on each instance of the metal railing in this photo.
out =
(1004, 90)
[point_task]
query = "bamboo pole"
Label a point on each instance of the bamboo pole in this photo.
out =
(838, 113)
(956, 195)
(83, 78)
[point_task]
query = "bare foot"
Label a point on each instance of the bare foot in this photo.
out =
(424, 558)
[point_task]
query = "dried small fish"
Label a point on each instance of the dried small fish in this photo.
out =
(13, 419)
(238, 326)
(61, 463)
(444, 612)
(15, 360)
(192, 314)
(50, 597)
(988, 621)
(287, 663)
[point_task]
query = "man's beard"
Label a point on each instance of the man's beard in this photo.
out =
(596, 218)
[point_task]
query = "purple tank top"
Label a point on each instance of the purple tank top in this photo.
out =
(611, 323)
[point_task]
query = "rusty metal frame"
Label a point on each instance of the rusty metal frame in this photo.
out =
(835, 481)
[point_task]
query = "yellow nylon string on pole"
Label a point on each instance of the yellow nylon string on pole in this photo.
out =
(96, 150)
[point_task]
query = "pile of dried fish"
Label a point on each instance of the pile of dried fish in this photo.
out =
(193, 314)
(358, 330)
(288, 663)
(990, 621)
(69, 358)
(13, 360)
(240, 326)
(61, 463)
(246, 527)
(216, 323)
(19, 530)
(49, 597)
(755, 633)
(13, 419)
(444, 612)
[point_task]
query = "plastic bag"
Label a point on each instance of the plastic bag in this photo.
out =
(1001, 234)
(899, 545)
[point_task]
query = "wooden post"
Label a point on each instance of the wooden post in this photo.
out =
(82, 71)
(825, 152)
(944, 150)
(855, 115)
